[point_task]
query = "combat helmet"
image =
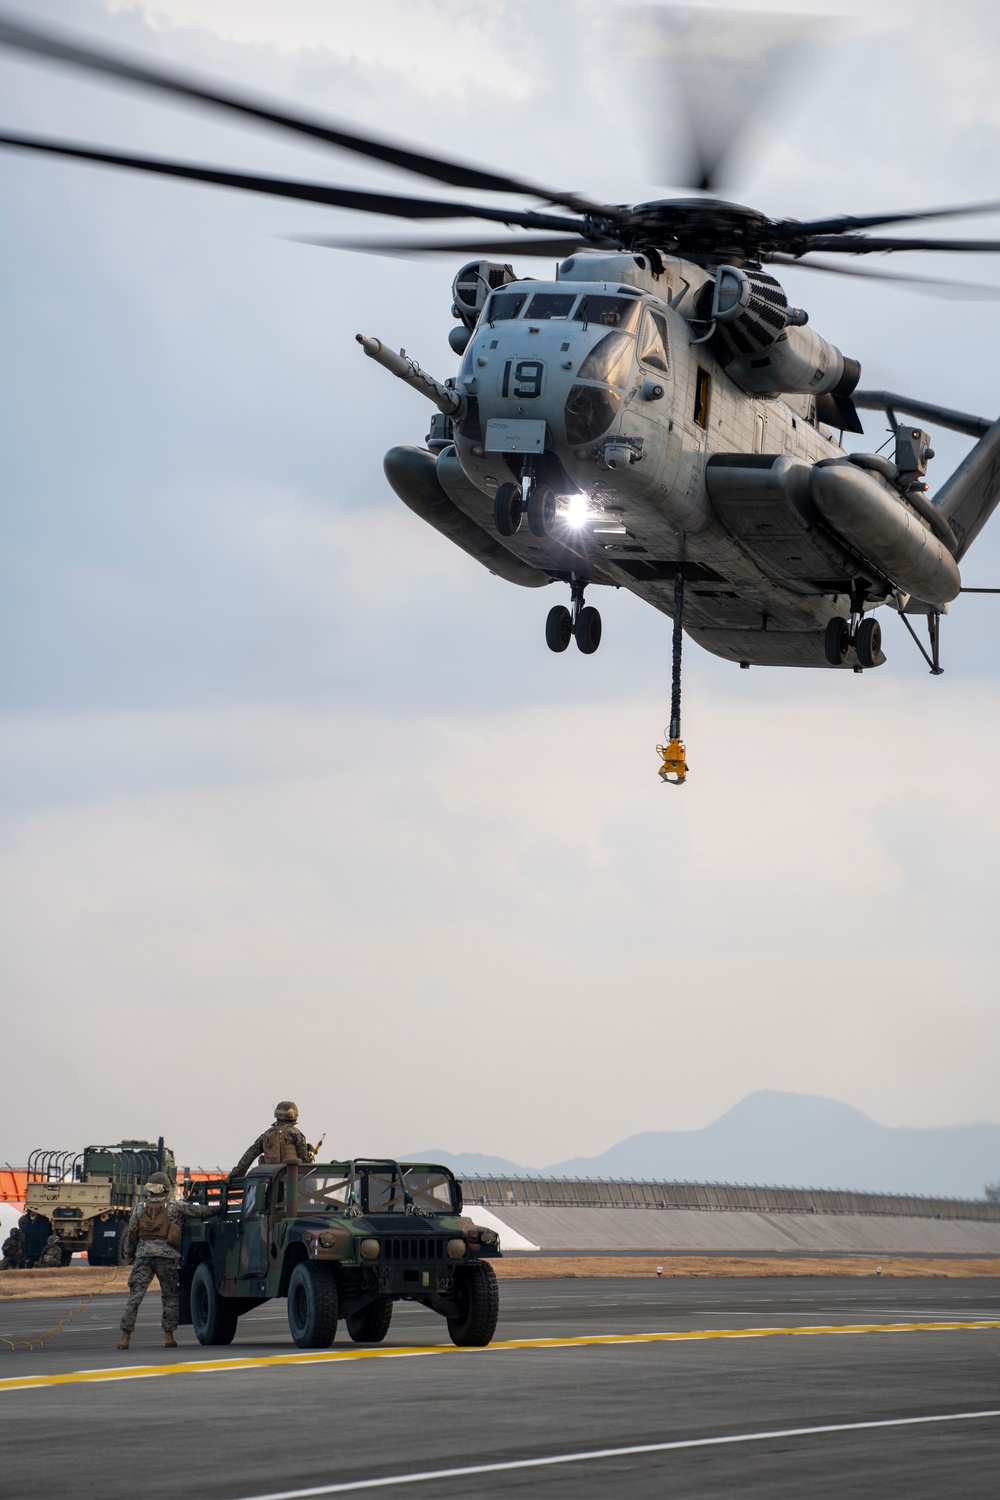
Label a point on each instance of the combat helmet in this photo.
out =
(159, 1181)
(286, 1113)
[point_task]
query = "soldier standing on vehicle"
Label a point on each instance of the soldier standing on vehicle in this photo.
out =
(52, 1254)
(11, 1251)
(282, 1142)
(153, 1242)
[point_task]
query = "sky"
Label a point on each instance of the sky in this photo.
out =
(294, 801)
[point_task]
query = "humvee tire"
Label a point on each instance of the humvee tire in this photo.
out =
(478, 1298)
(313, 1305)
(214, 1318)
(371, 1325)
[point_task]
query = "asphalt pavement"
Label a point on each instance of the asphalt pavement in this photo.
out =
(682, 1388)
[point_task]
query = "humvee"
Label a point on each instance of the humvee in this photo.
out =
(338, 1240)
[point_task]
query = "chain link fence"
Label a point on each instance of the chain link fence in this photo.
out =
(582, 1192)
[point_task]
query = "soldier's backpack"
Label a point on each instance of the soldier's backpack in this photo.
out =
(155, 1224)
(278, 1146)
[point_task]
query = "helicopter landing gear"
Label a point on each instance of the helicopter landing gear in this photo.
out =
(584, 623)
(837, 641)
(558, 628)
(508, 508)
(541, 509)
(868, 642)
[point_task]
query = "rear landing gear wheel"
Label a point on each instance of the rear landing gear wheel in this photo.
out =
(558, 628)
(507, 508)
(588, 630)
(837, 641)
(541, 510)
(868, 643)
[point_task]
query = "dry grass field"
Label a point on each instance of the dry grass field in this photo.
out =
(81, 1281)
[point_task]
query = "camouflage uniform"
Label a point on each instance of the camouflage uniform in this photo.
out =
(282, 1141)
(52, 1254)
(11, 1251)
(155, 1257)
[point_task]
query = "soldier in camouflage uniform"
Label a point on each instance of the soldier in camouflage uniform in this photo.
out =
(11, 1251)
(283, 1141)
(154, 1226)
(52, 1254)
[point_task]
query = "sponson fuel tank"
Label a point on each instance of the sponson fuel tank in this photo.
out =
(875, 522)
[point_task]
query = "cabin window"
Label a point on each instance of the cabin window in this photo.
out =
(653, 342)
(504, 305)
(551, 305)
(702, 397)
(611, 312)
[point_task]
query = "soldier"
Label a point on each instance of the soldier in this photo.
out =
(52, 1254)
(11, 1251)
(153, 1240)
(282, 1142)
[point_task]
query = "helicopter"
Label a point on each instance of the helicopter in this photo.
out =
(656, 417)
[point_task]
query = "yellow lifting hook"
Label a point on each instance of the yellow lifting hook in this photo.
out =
(674, 769)
(673, 772)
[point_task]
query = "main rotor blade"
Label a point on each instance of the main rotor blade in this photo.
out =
(934, 286)
(304, 192)
(840, 222)
(59, 48)
(722, 66)
(863, 244)
(544, 248)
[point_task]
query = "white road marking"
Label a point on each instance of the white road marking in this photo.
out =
(472, 1470)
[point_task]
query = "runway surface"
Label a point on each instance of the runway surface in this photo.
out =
(709, 1388)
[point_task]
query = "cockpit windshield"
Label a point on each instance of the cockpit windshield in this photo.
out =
(504, 305)
(551, 305)
(610, 312)
(428, 1192)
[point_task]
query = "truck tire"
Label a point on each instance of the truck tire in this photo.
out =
(371, 1324)
(214, 1318)
(478, 1298)
(65, 1255)
(313, 1305)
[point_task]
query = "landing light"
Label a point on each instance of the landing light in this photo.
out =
(577, 511)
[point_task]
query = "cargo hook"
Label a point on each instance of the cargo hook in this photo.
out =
(673, 771)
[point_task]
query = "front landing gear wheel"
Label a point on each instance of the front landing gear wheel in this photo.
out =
(837, 641)
(588, 630)
(868, 643)
(507, 509)
(478, 1299)
(558, 628)
(541, 510)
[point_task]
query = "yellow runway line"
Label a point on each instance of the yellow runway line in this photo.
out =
(335, 1356)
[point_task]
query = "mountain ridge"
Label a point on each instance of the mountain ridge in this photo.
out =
(787, 1139)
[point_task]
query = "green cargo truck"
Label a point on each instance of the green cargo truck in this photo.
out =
(338, 1240)
(86, 1198)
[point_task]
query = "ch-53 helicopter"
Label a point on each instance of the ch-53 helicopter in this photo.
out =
(656, 417)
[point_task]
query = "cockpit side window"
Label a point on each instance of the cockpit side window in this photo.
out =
(551, 305)
(504, 305)
(610, 312)
(653, 342)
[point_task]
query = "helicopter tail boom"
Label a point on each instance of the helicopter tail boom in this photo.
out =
(970, 496)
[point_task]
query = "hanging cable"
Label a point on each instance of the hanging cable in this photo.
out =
(673, 771)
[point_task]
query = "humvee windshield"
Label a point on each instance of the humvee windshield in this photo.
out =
(376, 1189)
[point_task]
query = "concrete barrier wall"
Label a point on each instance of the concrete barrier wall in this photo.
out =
(691, 1230)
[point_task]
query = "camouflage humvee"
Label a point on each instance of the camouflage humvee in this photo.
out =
(343, 1239)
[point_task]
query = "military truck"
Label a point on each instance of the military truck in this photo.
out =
(338, 1240)
(86, 1198)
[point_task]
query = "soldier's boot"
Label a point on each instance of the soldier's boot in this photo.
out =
(169, 1342)
(124, 1341)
